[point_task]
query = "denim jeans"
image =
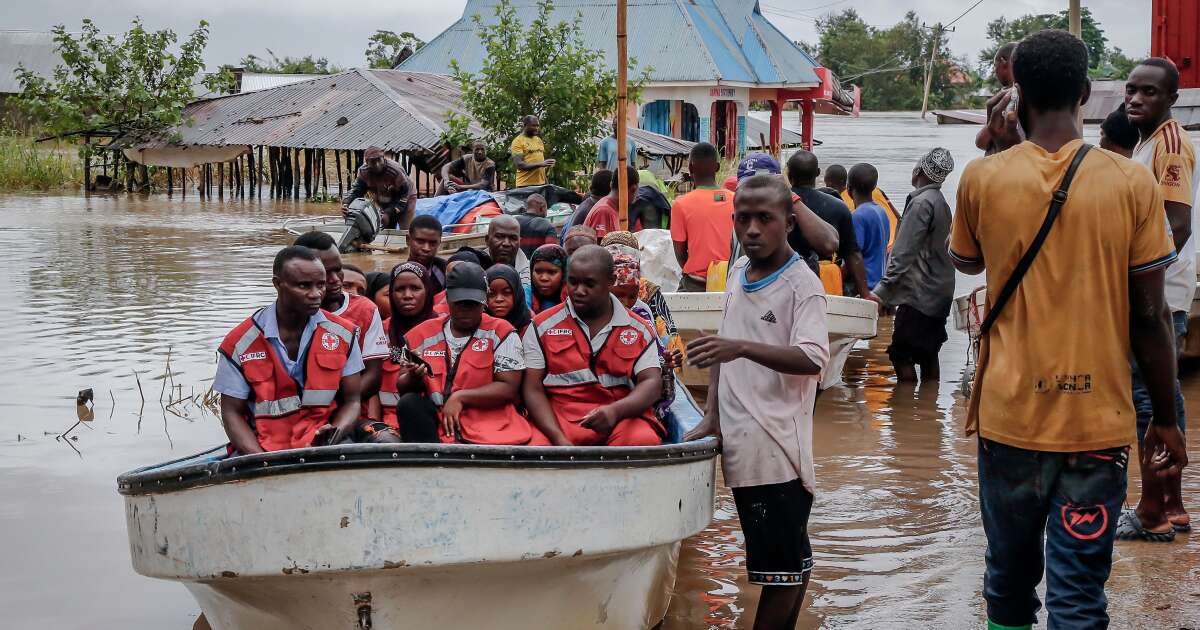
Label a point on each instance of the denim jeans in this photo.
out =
(1055, 512)
(1141, 395)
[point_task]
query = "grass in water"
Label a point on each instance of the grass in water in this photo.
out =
(26, 165)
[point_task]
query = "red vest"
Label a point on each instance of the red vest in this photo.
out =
(440, 305)
(285, 415)
(360, 312)
(578, 380)
(388, 396)
(474, 368)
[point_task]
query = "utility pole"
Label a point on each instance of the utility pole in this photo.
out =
(622, 123)
(937, 40)
(1076, 19)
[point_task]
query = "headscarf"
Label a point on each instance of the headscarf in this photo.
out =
(399, 325)
(621, 237)
(519, 316)
(581, 230)
(936, 164)
(627, 269)
(557, 256)
(376, 280)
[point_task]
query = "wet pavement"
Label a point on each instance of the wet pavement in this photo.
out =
(100, 289)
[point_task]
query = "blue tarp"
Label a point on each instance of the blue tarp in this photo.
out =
(450, 209)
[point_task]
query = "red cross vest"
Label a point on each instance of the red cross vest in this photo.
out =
(389, 397)
(359, 312)
(284, 414)
(473, 368)
(577, 379)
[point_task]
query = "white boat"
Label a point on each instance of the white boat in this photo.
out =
(388, 241)
(849, 320)
(424, 535)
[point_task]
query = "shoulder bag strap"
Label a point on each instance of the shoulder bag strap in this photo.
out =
(1056, 204)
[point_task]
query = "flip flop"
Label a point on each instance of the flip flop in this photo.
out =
(1181, 528)
(1129, 527)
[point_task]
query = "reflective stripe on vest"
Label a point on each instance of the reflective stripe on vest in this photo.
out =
(318, 397)
(391, 399)
(430, 342)
(553, 321)
(338, 330)
(570, 379)
(437, 398)
(275, 408)
(611, 380)
(243, 344)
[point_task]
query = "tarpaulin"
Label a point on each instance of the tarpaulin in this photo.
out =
(450, 209)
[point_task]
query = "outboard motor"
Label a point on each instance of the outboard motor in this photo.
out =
(362, 224)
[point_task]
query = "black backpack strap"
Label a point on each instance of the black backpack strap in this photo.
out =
(1056, 204)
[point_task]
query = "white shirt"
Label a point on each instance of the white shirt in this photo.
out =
(522, 268)
(374, 340)
(507, 358)
(536, 360)
(1180, 277)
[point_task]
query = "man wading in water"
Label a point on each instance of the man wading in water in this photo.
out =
(1052, 401)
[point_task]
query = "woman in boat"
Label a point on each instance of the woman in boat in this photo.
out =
(627, 270)
(650, 294)
(464, 385)
(377, 291)
(548, 278)
(410, 303)
(506, 297)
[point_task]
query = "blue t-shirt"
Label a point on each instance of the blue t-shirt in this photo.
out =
(607, 152)
(872, 228)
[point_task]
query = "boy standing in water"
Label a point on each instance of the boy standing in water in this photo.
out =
(766, 362)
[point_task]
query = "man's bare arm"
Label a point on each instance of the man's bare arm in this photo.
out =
(1180, 217)
(235, 418)
(820, 235)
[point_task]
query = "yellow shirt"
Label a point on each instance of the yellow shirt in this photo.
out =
(1054, 371)
(532, 150)
(882, 201)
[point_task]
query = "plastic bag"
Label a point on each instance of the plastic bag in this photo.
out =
(658, 259)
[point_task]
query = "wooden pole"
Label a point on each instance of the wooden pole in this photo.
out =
(261, 166)
(1076, 19)
(337, 163)
(622, 113)
(250, 174)
(937, 38)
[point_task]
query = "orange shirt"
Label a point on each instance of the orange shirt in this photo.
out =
(703, 219)
(1053, 373)
(603, 217)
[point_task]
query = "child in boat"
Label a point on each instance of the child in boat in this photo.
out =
(464, 382)
(766, 363)
(592, 388)
(548, 278)
(506, 297)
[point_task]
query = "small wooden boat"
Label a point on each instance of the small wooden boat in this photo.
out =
(849, 320)
(424, 535)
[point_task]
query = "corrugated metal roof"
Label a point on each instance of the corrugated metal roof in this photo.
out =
(394, 109)
(399, 111)
(33, 50)
(682, 40)
(252, 81)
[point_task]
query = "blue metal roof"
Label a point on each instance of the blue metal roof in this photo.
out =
(727, 41)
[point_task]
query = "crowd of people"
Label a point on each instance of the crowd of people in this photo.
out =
(553, 337)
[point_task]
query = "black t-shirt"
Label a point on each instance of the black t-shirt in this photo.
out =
(833, 212)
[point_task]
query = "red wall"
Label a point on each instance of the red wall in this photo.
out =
(1175, 34)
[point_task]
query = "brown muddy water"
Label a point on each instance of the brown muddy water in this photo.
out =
(96, 289)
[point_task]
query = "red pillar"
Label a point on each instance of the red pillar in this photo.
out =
(806, 122)
(776, 127)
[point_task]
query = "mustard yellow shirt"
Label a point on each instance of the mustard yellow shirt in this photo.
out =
(531, 150)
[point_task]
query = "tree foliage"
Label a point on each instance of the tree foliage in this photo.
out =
(136, 85)
(1103, 62)
(543, 68)
(288, 65)
(384, 46)
(889, 63)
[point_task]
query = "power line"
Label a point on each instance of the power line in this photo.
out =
(960, 16)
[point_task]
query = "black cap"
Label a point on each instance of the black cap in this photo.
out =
(466, 283)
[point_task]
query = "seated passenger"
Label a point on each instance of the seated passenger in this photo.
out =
(506, 298)
(281, 369)
(647, 293)
(592, 388)
(411, 303)
(548, 281)
(466, 390)
(464, 254)
(354, 280)
(579, 236)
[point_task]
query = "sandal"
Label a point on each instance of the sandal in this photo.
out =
(1129, 527)
(1181, 528)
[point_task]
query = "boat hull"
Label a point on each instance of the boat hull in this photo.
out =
(848, 320)
(459, 536)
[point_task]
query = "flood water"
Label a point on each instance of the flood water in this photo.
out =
(100, 291)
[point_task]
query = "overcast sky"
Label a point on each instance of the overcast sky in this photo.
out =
(339, 30)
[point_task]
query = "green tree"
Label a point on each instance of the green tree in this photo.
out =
(288, 65)
(543, 68)
(134, 86)
(384, 46)
(1001, 31)
(889, 63)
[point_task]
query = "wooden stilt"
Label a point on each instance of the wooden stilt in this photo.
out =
(337, 164)
(296, 173)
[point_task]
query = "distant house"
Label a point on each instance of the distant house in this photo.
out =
(709, 59)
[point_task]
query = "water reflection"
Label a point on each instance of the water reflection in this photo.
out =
(98, 292)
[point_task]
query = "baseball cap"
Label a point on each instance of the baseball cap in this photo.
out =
(373, 152)
(757, 164)
(466, 283)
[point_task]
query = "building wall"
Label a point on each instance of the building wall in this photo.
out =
(700, 96)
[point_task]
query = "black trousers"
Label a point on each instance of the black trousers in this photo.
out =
(418, 419)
